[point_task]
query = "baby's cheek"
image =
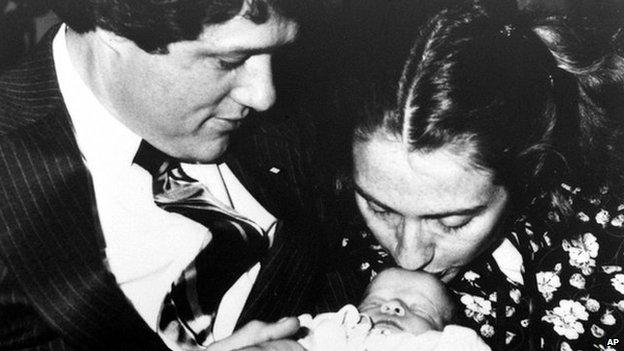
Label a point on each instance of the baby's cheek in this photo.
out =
(329, 337)
(419, 325)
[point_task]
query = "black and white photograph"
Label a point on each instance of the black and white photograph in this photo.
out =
(312, 175)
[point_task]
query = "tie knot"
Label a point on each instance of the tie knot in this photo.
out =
(153, 160)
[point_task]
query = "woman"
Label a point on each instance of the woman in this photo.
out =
(498, 168)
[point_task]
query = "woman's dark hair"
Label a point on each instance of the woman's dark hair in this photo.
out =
(595, 62)
(518, 97)
(153, 24)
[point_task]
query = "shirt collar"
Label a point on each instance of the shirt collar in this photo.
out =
(102, 138)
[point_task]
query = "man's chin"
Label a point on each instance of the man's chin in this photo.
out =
(206, 153)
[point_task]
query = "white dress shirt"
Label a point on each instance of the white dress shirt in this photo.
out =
(146, 247)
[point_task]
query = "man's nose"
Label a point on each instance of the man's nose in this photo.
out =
(393, 307)
(254, 85)
(416, 246)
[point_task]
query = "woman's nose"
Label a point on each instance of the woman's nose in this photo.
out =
(393, 307)
(415, 248)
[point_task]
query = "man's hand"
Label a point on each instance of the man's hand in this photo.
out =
(277, 345)
(260, 336)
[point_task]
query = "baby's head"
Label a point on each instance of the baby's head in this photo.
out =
(401, 300)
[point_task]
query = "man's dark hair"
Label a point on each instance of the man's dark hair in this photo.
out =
(153, 24)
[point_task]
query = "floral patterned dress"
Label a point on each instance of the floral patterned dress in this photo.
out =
(572, 297)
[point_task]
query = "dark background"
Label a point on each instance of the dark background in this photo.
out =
(338, 29)
(342, 41)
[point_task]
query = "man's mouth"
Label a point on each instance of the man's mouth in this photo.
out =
(232, 119)
(231, 122)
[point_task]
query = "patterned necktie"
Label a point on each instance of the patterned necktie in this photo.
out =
(237, 244)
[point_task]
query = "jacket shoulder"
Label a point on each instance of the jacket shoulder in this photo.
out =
(29, 91)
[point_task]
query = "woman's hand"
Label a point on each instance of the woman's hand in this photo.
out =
(261, 336)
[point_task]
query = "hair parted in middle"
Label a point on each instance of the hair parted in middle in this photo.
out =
(485, 85)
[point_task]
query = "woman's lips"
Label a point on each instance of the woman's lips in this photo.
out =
(440, 274)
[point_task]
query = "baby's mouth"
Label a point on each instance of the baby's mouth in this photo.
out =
(388, 325)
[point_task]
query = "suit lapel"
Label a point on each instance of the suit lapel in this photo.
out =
(52, 241)
(267, 163)
(261, 164)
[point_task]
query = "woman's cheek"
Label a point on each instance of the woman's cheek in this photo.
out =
(468, 246)
(382, 231)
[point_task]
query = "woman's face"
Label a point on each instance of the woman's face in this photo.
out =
(432, 211)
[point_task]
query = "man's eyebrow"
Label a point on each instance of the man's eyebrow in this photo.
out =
(247, 51)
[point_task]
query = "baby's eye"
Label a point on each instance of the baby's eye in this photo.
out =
(418, 310)
(368, 304)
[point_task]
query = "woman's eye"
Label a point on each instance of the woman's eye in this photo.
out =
(378, 210)
(452, 224)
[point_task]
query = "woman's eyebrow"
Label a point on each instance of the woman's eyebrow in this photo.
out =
(471, 211)
(368, 197)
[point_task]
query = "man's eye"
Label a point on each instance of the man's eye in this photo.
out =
(230, 64)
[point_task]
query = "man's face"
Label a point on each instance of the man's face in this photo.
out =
(187, 102)
(398, 300)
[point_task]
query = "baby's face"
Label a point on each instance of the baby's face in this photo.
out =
(401, 300)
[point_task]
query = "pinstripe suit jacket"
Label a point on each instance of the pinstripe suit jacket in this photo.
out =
(55, 289)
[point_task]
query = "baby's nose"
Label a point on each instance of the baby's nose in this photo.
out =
(393, 307)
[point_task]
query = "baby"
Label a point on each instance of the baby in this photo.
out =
(402, 310)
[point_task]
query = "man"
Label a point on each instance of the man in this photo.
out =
(86, 255)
